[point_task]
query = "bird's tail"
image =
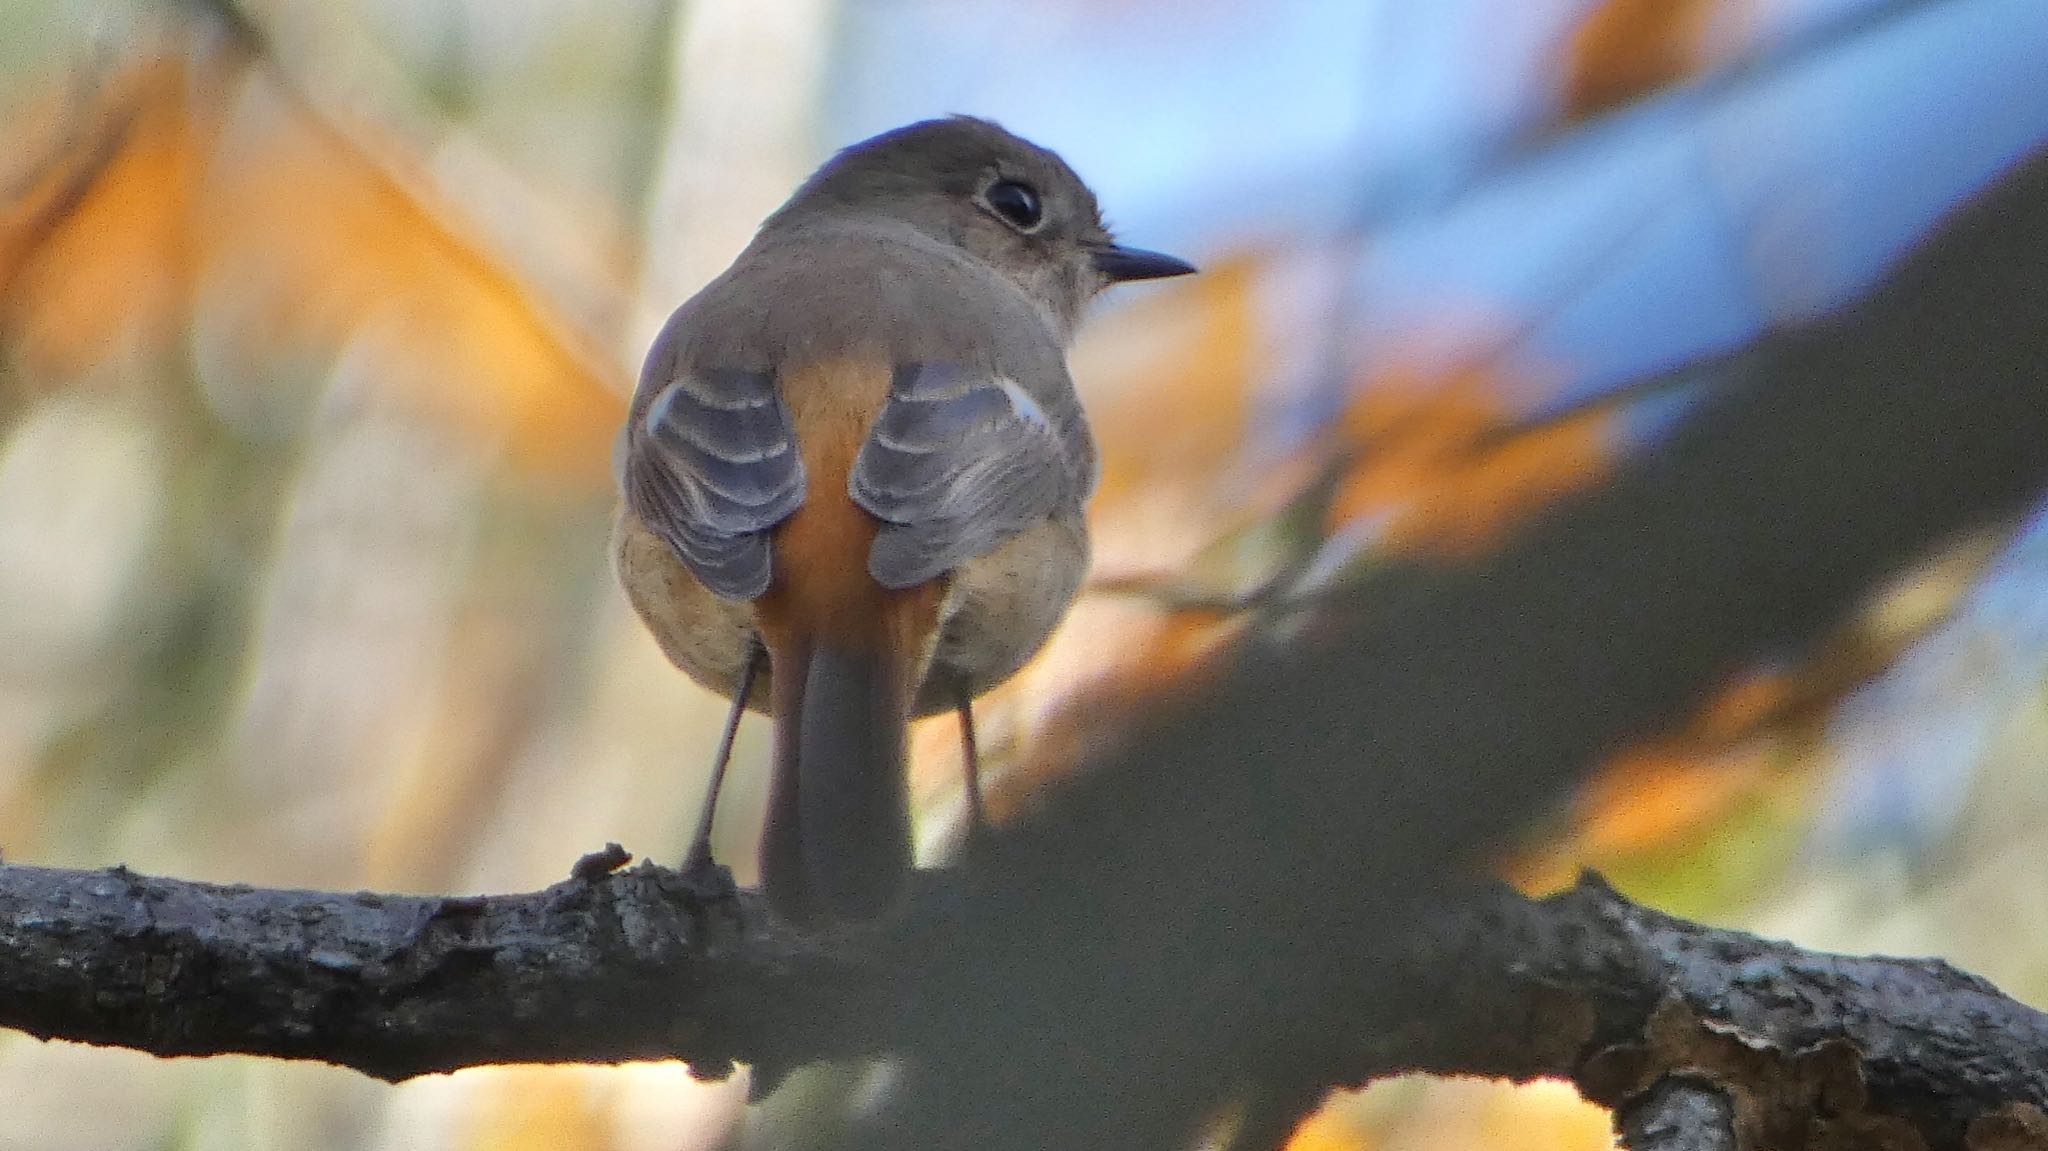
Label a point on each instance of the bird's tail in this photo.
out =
(837, 842)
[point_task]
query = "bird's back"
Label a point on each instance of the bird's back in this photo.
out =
(820, 292)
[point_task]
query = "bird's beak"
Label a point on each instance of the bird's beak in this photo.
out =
(1119, 264)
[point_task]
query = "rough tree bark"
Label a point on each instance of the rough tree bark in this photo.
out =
(1694, 1034)
(1247, 894)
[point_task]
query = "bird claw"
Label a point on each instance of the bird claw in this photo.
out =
(707, 878)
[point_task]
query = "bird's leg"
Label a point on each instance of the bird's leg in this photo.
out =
(698, 862)
(970, 762)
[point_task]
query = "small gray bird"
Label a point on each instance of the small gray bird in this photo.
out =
(856, 457)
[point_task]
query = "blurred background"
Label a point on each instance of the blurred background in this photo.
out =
(316, 321)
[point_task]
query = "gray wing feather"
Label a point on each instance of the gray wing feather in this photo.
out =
(710, 467)
(957, 463)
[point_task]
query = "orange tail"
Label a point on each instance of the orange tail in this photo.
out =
(837, 842)
(844, 654)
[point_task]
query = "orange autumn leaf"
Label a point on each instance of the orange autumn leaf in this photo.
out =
(1547, 1115)
(1625, 49)
(1755, 740)
(93, 248)
(476, 347)
(1329, 1129)
(1421, 1114)
(185, 182)
(1183, 362)
(1438, 466)
(539, 1109)
(1655, 796)
(1748, 744)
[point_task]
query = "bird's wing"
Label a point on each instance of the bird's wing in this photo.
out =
(959, 461)
(710, 466)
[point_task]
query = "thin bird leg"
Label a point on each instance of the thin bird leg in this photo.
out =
(699, 857)
(970, 756)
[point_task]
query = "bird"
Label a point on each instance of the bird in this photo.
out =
(853, 475)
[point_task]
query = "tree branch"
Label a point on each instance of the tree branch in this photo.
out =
(1683, 1029)
(599, 968)
(1678, 1114)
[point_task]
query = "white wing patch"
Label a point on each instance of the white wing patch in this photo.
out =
(1022, 404)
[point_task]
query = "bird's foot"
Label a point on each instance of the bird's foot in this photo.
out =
(707, 878)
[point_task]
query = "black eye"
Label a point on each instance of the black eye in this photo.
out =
(1015, 202)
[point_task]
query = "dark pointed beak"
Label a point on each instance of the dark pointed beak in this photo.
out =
(1120, 264)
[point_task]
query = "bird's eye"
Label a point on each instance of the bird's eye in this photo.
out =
(1016, 202)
